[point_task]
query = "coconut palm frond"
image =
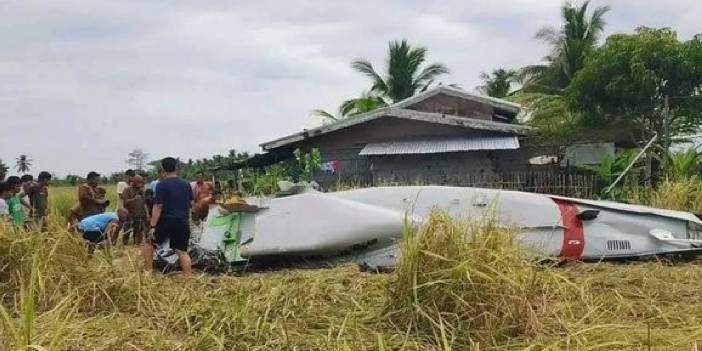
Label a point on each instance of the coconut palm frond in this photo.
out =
(323, 114)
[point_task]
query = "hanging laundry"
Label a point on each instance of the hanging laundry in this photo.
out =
(331, 167)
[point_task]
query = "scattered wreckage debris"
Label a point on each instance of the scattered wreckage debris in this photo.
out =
(364, 226)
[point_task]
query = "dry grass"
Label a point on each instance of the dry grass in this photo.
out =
(460, 286)
(683, 194)
(468, 282)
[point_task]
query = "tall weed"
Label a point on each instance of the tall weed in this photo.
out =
(467, 282)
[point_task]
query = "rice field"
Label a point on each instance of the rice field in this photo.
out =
(460, 286)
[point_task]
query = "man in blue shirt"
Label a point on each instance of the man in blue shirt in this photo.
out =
(99, 227)
(170, 217)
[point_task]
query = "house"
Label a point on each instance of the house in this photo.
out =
(432, 137)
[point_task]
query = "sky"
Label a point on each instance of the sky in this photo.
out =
(82, 83)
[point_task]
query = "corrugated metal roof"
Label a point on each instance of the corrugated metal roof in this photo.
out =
(440, 145)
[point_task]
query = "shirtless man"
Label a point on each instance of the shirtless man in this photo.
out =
(203, 192)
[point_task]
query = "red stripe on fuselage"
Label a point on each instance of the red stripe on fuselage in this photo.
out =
(573, 234)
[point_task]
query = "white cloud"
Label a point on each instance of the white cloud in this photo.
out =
(85, 82)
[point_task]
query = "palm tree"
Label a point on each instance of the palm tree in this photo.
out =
(406, 72)
(23, 164)
(498, 83)
(367, 102)
(570, 45)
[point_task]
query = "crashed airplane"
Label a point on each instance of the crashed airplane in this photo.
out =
(365, 225)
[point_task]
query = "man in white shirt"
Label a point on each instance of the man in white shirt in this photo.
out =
(121, 186)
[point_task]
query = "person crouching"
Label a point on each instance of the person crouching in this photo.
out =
(97, 228)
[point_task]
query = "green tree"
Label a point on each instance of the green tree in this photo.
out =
(406, 73)
(23, 164)
(72, 179)
(570, 45)
(649, 81)
(367, 102)
(542, 93)
(555, 125)
(498, 83)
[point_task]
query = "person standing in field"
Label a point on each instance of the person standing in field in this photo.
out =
(171, 216)
(39, 200)
(154, 182)
(203, 192)
(134, 202)
(149, 201)
(122, 185)
(14, 202)
(91, 198)
(27, 182)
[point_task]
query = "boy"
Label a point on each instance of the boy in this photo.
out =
(97, 228)
(39, 199)
(134, 202)
(14, 202)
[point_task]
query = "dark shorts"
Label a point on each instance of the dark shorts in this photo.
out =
(94, 237)
(178, 232)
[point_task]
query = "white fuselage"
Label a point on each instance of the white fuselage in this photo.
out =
(327, 224)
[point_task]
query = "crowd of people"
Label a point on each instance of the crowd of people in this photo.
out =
(146, 213)
(24, 201)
